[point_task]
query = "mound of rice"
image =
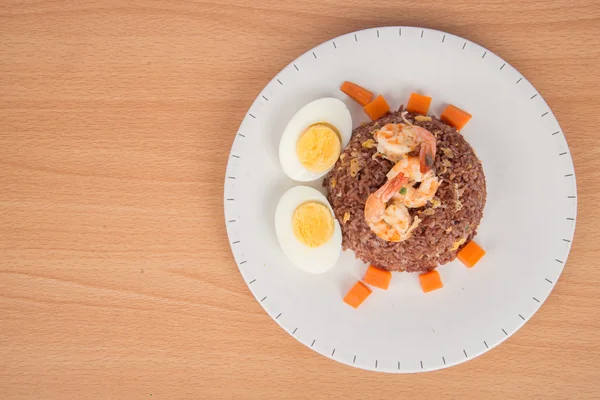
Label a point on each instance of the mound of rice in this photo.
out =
(449, 221)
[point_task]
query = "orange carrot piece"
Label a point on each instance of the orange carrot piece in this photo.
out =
(377, 108)
(378, 277)
(418, 103)
(357, 294)
(470, 254)
(357, 93)
(455, 117)
(430, 281)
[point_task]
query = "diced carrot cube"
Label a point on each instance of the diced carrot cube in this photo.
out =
(470, 254)
(378, 277)
(377, 108)
(455, 117)
(418, 103)
(357, 93)
(357, 294)
(430, 281)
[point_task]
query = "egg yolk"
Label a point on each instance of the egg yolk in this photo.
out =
(313, 224)
(318, 147)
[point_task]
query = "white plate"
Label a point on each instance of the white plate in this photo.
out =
(528, 223)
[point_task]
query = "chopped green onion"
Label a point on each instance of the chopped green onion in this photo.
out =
(403, 191)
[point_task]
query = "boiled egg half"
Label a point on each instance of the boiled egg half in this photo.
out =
(307, 231)
(314, 138)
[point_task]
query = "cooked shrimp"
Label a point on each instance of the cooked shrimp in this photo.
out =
(414, 197)
(418, 197)
(389, 222)
(397, 140)
(409, 166)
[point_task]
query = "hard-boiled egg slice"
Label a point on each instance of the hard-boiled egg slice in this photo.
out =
(307, 230)
(314, 138)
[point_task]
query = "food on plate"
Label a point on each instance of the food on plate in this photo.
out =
(313, 224)
(359, 94)
(312, 140)
(318, 147)
(307, 231)
(396, 141)
(471, 254)
(418, 103)
(408, 190)
(405, 192)
(430, 281)
(378, 277)
(455, 117)
(387, 217)
(377, 108)
(357, 294)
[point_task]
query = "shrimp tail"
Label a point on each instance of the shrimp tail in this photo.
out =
(426, 157)
(392, 187)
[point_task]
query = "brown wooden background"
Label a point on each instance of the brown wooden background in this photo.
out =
(116, 118)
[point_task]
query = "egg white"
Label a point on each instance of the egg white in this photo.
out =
(315, 260)
(329, 110)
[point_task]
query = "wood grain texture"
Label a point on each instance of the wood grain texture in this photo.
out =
(116, 277)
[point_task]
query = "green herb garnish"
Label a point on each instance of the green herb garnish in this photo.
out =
(403, 191)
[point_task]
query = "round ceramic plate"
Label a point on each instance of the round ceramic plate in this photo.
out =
(528, 223)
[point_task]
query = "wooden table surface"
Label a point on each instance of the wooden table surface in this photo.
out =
(116, 277)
